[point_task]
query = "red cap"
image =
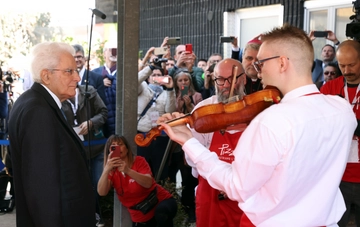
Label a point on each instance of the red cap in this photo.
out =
(255, 40)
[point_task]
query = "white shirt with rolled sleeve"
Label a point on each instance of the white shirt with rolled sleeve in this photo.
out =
(288, 162)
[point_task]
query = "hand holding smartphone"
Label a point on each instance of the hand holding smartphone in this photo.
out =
(160, 50)
(188, 48)
(161, 79)
(320, 34)
(226, 39)
(174, 41)
(184, 90)
(115, 151)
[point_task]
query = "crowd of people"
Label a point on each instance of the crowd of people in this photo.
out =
(65, 153)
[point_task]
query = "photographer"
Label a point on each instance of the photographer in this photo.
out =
(155, 98)
(186, 59)
(149, 204)
(327, 55)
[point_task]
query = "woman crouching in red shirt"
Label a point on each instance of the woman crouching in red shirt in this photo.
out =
(148, 203)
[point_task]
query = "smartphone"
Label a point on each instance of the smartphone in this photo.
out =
(161, 79)
(226, 39)
(184, 90)
(160, 50)
(320, 34)
(115, 151)
(174, 41)
(188, 47)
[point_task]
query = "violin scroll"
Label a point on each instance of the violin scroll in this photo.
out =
(145, 140)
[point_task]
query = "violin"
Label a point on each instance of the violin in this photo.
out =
(219, 116)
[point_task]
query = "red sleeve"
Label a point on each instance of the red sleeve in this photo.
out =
(141, 165)
(333, 87)
(325, 89)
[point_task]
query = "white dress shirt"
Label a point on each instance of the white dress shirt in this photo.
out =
(288, 162)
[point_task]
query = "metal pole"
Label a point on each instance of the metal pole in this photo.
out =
(163, 161)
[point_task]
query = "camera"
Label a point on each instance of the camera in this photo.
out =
(158, 61)
(9, 79)
(353, 28)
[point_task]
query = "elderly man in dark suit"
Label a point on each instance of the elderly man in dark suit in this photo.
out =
(95, 79)
(52, 182)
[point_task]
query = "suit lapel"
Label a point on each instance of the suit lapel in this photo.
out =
(39, 88)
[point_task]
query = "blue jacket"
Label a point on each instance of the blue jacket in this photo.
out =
(95, 80)
(110, 96)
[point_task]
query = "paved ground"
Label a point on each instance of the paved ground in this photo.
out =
(8, 219)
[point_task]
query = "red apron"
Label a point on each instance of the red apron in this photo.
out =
(210, 211)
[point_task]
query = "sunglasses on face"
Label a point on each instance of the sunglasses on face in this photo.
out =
(332, 73)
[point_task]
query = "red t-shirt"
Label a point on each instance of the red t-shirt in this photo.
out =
(131, 193)
(210, 211)
(336, 87)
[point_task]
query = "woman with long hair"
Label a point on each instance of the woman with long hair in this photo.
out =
(148, 203)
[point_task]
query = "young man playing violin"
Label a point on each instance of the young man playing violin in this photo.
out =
(290, 159)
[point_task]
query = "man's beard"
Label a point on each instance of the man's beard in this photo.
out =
(224, 98)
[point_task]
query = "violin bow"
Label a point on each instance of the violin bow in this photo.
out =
(234, 72)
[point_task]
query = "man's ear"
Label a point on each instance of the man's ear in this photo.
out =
(284, 63)
(45, 76)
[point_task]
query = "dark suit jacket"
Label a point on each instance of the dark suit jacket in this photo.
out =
(52, 182)
(252, 86)
(317, 72)
(95, 80)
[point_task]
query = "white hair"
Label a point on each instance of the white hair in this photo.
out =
(46, 56)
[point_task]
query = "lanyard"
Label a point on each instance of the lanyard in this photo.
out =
(354, 101)
(75, 106)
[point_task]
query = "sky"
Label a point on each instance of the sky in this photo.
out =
(63, 12)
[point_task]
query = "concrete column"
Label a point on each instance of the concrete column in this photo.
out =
(127, 85)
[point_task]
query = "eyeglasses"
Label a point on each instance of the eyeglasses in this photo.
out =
(221, 80)
(78, 56)
(332, 73)
(68, 72)
(214, 61)
(259, 63)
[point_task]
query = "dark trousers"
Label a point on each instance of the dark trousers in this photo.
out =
(177, 162)
(351, 194)
(164, 215)
(154, 154)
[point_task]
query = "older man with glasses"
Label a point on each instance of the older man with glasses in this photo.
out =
(53, 186)
(213, 207)
(88, 77)
(290, 159)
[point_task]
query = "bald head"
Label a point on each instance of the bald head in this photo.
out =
(224, 68)
(223, 73)
(349, 45)
(348, 56)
